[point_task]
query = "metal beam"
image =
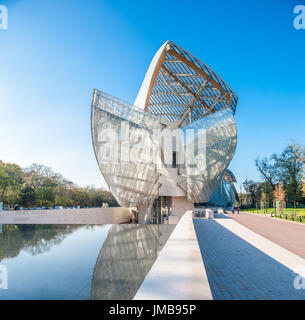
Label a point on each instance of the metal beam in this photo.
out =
(214, 104)
(183, 85)
(188, 109)
(198, 70)
(183, 94)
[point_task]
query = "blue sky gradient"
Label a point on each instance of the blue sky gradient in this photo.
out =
(55, 52)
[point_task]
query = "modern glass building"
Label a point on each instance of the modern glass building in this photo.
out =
(170, 150)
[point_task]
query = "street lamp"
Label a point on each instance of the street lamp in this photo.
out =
(265, 196)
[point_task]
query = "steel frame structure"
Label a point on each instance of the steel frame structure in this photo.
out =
(179, 92)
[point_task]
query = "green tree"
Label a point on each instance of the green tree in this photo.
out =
(4, 179)
(38, 185)
(291, 172)
(267, 170)
(11, 178)
(46, 192)
(27, 197)
(253, 189)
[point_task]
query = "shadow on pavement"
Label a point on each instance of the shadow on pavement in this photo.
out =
(238, 270)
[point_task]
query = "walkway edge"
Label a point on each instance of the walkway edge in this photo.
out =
(282, 255)
(179, 272)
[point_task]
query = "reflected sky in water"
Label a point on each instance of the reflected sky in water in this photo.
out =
(78, 262)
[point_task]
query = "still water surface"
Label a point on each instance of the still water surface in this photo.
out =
(78, 261)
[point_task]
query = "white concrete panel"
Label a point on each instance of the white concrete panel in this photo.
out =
(142, 94)
(179, 206)
(67, 216)
(178, 272)
(169, 179)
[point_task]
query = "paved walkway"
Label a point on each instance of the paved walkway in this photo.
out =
(241, 264)
(289, 235)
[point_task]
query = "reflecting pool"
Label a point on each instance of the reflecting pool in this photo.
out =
(78, 261)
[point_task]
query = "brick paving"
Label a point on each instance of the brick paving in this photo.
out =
(289, 235)
(238, 270)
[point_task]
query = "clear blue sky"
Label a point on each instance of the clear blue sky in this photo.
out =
(55, 52)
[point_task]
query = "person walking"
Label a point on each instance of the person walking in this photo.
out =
(238, 209)
(233, 209)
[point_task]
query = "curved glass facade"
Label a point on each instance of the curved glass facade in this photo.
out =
(206, 162)
(125, 150)
(180, 134)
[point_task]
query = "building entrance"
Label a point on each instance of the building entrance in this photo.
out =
(161, 210)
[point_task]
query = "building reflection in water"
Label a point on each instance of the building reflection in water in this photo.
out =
(79, 261)
(126, 256)
(35, 239)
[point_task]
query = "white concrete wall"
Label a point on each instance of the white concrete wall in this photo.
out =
(169, 179)
(67, 216)
(179, 206)
(143, 92)
(178, 272)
